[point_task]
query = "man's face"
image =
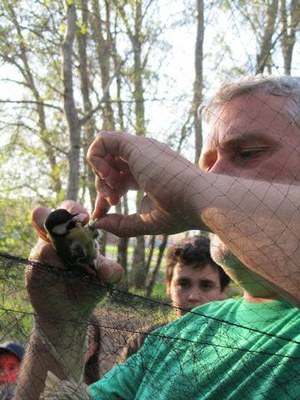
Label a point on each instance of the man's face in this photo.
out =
(251, 137)
(9, 368)
(192, 286)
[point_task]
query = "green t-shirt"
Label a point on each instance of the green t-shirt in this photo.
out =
(230, 349)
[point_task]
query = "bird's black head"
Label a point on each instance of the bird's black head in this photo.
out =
(59, 222)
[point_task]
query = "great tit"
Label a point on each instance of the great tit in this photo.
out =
(74, 243)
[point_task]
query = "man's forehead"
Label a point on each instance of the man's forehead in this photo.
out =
(247, 114)
(234, 138)
(226, 120)
(245, 102)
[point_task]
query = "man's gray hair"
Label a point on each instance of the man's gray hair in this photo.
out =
(285, 86)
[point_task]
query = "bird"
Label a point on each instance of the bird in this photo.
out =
(74, 243)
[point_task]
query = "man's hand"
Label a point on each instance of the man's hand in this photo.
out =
(53, 292)
(63, 305)
(123, 162)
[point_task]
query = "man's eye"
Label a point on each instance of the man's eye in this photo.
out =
(248, 153)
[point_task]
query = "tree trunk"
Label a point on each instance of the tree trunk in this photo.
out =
(104, 59)
(136, 38)
(69, 103)
(153, 279)
(290, 22)
(123, 259)
(89, 127)
(151, 247)
(198, 84)
(138, 264)
(266, 45)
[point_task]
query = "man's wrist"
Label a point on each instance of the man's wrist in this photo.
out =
(66, 342)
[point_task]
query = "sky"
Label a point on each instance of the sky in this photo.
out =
(176, 86)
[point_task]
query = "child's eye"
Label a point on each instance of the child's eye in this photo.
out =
(183, 284)
(207, 286)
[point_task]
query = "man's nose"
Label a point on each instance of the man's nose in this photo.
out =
(221, 166)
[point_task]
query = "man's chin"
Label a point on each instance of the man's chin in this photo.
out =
(248, 280)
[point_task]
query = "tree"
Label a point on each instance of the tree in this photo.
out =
(71, 95)
(272, 23)
(74, 126)
(266, 38)
(290, 20)
(73, 68)
(198, 83)
(138, 30)
(21, 49)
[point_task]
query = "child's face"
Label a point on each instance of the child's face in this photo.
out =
(9, 367)
(192, 286)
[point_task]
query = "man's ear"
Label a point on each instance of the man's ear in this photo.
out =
(168, 285)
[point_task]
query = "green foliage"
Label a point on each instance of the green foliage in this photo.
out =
(82, 28)
(16, 320)
(16, 233)
(159, 291)
(16, 239)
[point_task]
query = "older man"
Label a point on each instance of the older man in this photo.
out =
(247, 194)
